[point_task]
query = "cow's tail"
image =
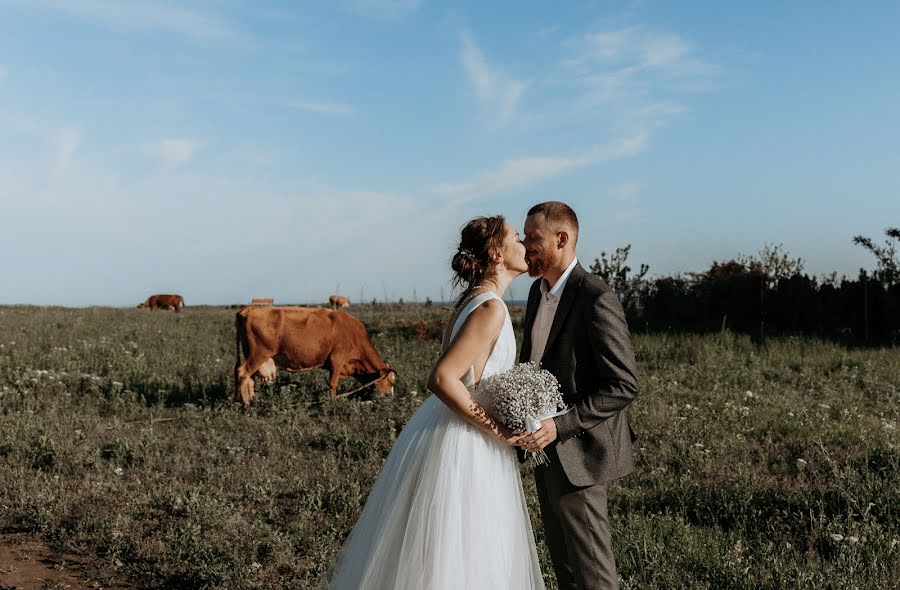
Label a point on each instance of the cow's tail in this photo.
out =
(237, 342)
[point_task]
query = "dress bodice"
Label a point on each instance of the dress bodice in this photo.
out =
(502, 356)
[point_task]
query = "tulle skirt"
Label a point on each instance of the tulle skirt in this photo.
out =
(446, 513)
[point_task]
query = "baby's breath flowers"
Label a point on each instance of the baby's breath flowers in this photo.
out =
(523, 395)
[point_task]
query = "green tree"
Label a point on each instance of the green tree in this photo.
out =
(888, 269)
(774, 263)
(615, 271)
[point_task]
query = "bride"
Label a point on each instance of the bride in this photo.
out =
(448, 511)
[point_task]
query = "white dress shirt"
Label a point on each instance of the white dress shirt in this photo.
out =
(546, 311)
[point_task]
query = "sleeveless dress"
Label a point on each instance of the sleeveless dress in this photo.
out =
(447, 511)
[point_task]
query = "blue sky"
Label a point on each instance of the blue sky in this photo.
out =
(227, 150)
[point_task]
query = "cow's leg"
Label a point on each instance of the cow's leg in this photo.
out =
(243, 385)
(244, 391)
(335, 381)
(336, 364)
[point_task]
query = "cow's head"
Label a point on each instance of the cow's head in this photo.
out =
(144, 305)
(386, 381)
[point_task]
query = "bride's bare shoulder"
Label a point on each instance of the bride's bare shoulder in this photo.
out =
(491, 313)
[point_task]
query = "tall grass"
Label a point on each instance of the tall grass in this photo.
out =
(772, 465)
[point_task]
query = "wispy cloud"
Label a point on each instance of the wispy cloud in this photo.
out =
(65, 144)
(627, 216)
(173, 153)
(627, 190)
(630, 62)
(328, 108)
(547, 31)
(143, 15)
(630, 79)
(499, 93)
(521, 172)
(385, 9)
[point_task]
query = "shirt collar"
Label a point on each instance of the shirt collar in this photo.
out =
(557, 290)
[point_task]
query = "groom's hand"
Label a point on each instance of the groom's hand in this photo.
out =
(541, 438)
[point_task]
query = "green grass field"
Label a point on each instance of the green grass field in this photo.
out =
(758, 466)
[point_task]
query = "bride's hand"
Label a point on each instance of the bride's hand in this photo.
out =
(511, 438)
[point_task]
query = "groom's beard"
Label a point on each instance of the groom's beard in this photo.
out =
(536, 267)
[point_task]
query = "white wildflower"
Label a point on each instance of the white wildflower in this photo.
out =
(853, 540)
(837, 537)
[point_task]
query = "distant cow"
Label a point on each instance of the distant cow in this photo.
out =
(296, 338)
(337, 301)
(262, 301)
(170, 302)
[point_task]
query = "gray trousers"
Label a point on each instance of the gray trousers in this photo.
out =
(576, 529)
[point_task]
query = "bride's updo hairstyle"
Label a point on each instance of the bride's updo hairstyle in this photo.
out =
(471, 262)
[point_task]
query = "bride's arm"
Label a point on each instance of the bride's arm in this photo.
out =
(471, 346)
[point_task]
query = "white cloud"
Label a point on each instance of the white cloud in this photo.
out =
(498, 93)
(521, 172)
(635, 78)
(65, 144)
(173, 153)
(627, 216)
(387, 9)
(633, 59)
(143, 15)
(300, 239)
(627, 190)
(328, 108)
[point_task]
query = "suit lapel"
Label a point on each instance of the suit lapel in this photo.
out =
(565, 305)
(534, 296)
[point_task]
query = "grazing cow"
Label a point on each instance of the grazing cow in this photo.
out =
(171, 302)
(297, 338)
(337, 301)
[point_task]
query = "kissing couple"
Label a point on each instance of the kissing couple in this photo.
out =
(448, 510)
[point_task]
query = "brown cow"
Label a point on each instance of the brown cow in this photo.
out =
(337, 301)
(297, 338)
(171, 302)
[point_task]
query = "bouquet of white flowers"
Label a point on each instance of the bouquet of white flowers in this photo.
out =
(523, 396)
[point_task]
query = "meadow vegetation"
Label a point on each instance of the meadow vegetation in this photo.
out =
(772, 464)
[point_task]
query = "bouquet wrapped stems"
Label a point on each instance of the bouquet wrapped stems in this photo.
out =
(539, 457)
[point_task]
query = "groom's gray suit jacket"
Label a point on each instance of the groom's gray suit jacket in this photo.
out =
(589, 351)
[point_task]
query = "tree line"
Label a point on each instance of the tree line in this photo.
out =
(764, 294)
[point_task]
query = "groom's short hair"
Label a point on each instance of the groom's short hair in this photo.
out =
(557, 214)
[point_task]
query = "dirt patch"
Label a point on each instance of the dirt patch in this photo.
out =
(28, 564)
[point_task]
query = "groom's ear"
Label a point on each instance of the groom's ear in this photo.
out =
(562, 238)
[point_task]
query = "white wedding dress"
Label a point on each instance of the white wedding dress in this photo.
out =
(447, 511)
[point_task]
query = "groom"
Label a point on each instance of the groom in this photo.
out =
(575, 327)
